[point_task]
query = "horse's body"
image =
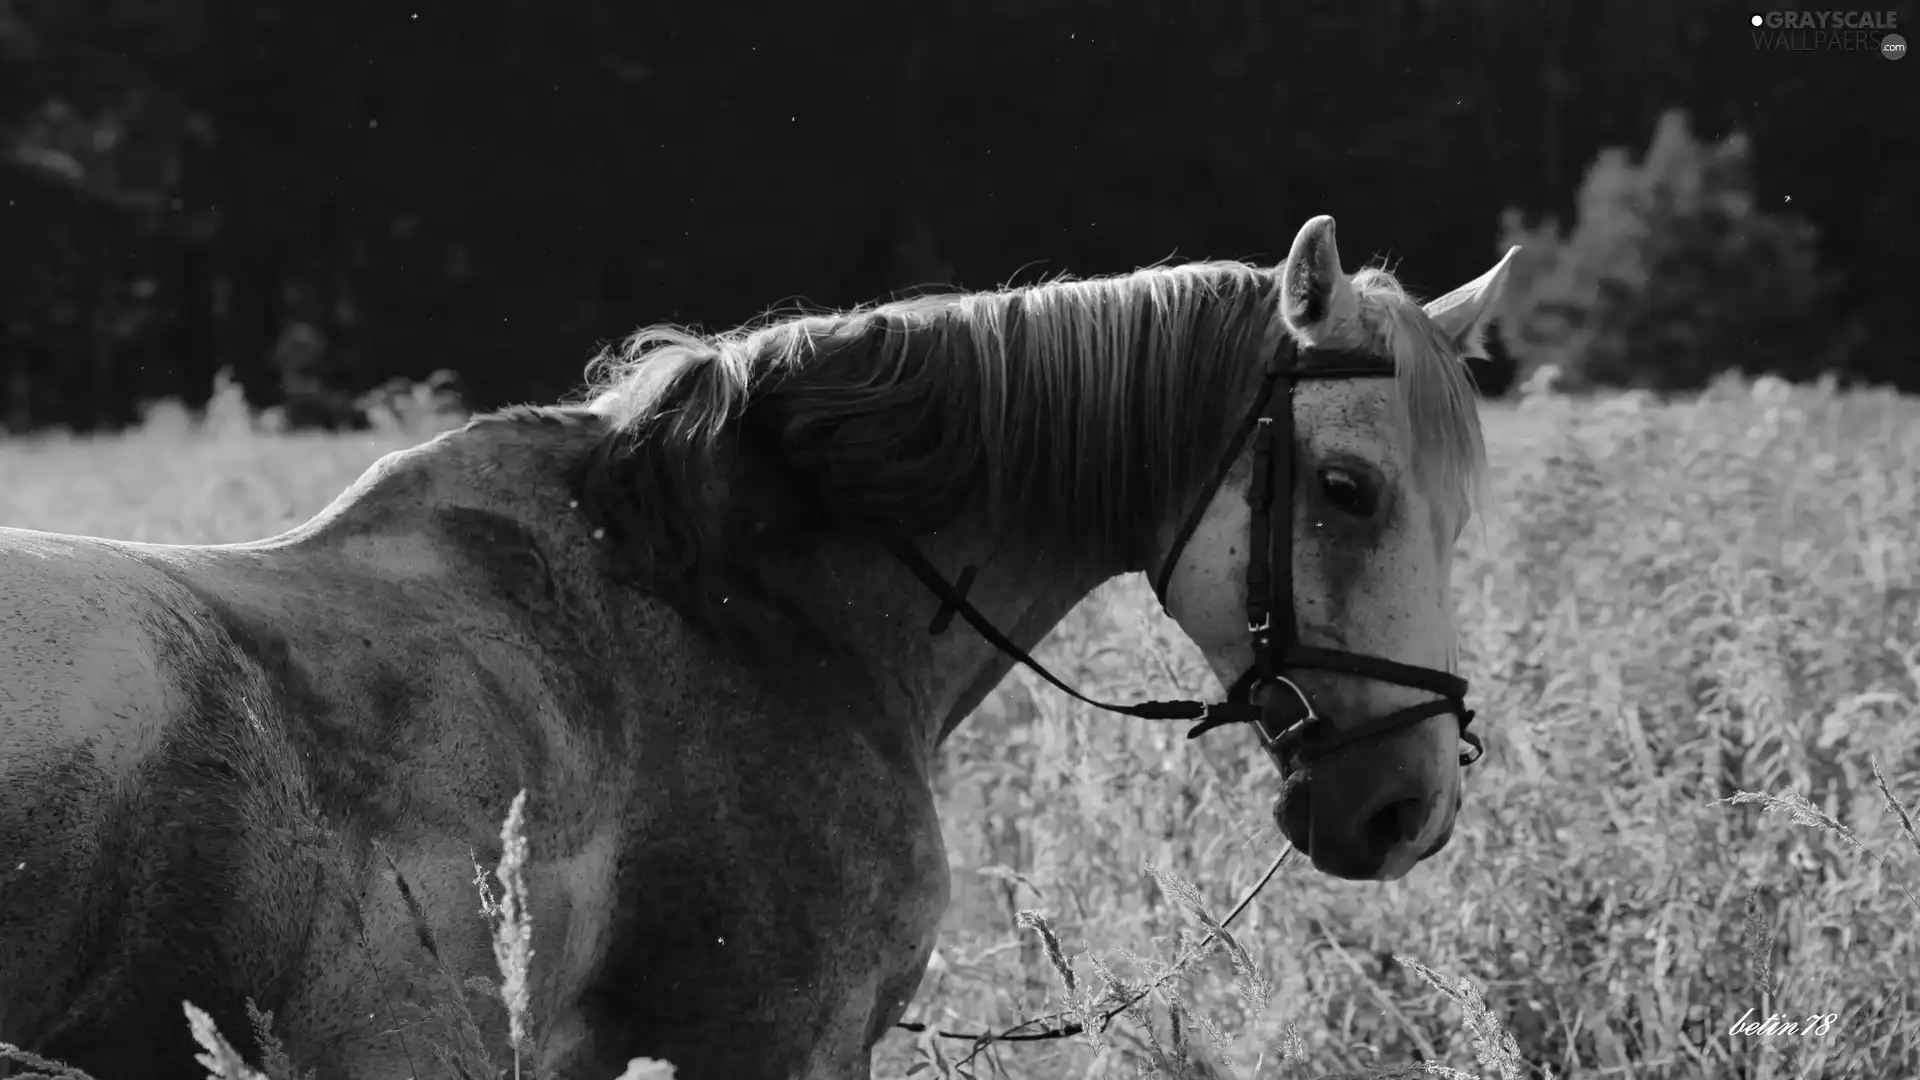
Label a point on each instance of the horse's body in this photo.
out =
(186, 726)
(228, 772)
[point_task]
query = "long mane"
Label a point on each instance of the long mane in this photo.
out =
(1085, 412)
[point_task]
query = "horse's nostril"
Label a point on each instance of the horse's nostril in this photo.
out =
(1394, 824)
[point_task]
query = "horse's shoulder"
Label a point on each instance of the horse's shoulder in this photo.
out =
(472, 547)
(475, 553)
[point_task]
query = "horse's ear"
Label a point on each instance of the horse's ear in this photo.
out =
(1463, 314)
(1316, 296)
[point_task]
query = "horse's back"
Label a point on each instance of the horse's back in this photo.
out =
(141, 758)
(81, 637)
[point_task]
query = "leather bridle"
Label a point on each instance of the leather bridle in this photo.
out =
(1291, 730)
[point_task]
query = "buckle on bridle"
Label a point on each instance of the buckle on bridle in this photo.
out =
(1265, 624)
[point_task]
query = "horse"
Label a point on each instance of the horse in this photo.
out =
(702, 616)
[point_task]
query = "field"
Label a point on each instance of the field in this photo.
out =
(1662, 605)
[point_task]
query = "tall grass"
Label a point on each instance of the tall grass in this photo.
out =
(1670, 605)
(1692, 629)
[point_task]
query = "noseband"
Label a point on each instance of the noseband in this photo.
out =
(1291, 729)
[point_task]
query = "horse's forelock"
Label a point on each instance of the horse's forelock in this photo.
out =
(1437, 396)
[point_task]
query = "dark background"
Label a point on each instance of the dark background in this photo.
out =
(499, 186)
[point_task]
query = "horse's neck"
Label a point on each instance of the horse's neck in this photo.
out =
(882, 614)
(862, 603)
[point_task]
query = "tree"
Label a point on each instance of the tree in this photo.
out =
(1671, 274)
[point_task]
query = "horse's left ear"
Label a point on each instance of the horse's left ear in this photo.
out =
(1317, 297)
(1463, 314)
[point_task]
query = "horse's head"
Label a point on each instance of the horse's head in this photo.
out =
(1382, 469)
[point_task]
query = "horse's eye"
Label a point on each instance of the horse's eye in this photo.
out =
(1349, 493)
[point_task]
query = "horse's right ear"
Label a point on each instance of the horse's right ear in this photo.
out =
(1316, 296)
(1464, 313)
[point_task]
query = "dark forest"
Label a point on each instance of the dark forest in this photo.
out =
(323, 198)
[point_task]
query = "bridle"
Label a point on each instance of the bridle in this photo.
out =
(1291, 730)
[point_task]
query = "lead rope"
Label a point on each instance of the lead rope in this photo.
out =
(982, 1040)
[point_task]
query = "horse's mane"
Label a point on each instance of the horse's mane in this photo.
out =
(1083, 411)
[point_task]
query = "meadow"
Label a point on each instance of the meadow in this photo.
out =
(1664, 606)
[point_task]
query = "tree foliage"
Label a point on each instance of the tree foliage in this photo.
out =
(498, 187)
(1671, 274)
